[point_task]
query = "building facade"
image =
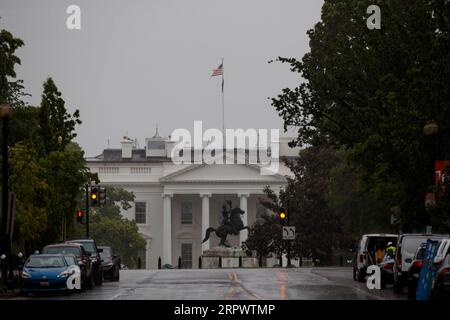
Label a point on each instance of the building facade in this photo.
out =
(175, 203)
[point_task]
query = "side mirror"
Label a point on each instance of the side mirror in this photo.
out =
(100, 250)
(114, 256)
(409, 260)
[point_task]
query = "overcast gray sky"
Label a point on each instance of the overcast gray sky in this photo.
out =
(135, 63)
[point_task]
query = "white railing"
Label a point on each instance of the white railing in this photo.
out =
(140, 170)
(108, 170)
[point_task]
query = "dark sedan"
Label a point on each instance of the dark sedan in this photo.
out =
(110, 263)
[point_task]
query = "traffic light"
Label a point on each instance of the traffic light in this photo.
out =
(94, 196)
(79, 215)
(102, 196)
(282, 215)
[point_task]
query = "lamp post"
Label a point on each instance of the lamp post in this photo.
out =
(5, 114)
(431, 130)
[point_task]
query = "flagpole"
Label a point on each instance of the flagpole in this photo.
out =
(223, 103)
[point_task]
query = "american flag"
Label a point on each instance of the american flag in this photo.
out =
(218, 71)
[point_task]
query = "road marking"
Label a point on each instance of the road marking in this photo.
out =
(236, 283)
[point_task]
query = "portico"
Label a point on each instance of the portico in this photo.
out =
(205, 189)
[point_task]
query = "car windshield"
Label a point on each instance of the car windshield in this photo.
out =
(70, 260)
(45, 262)
(420, 253)
(88, 246)
(62, 250)
(106, 252)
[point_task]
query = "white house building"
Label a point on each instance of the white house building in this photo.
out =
(175, 204)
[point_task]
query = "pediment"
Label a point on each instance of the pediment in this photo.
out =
(222, 173)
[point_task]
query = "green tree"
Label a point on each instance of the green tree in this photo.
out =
(29, 184)
(265, 238)
(372, 91)
(109, 228)
(56, 125)
(66, 174)
(9, 90)
(361, 209)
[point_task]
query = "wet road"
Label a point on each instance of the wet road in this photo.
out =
(233, 284)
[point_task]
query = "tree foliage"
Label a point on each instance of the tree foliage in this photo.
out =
(9, 90)
(372, 91)
(109, 228)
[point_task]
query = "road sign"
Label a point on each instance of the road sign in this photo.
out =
(394, 219)
(289, 233)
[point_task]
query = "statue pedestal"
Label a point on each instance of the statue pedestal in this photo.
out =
(229, 258)
(224, 252)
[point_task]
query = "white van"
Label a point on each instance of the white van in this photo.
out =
(406, 248)
(365, 254)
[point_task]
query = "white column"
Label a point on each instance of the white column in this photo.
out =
(167, 229)
(147, 254)
(205, 218)
(243, 235)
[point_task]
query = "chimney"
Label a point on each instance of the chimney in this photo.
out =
(127, 147)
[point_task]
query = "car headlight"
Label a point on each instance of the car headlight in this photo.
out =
(26, 275)
(64, 274)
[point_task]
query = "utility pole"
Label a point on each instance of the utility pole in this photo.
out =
(87, 210)
(289, 241)
(5, 240)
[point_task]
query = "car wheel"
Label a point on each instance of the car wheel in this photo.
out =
(382, 283)
(117, 276)
(411, 290)
(361, 277)
(99, 278)
(83, 282)
(398, 288)
(90, 281)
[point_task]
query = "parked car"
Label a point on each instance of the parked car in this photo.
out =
(46, 272)
(110, 263)
(83, 260)
(365, 254)
(406, 249)
(387, 270)
(441, 283)
(94, 252)
(443, 250)
(414, 270)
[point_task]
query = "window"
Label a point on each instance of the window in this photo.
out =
(186, 213)
(140, 212)
(158, 145)
(186, 255)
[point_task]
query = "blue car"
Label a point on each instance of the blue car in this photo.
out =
(46, 273)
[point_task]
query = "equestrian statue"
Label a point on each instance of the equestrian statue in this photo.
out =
(231, 224)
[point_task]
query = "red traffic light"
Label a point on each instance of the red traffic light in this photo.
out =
(79, 215)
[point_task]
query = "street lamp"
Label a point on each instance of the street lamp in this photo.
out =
(431, 128)
(5, 241)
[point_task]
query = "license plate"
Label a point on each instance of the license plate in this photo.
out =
(44, 283)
